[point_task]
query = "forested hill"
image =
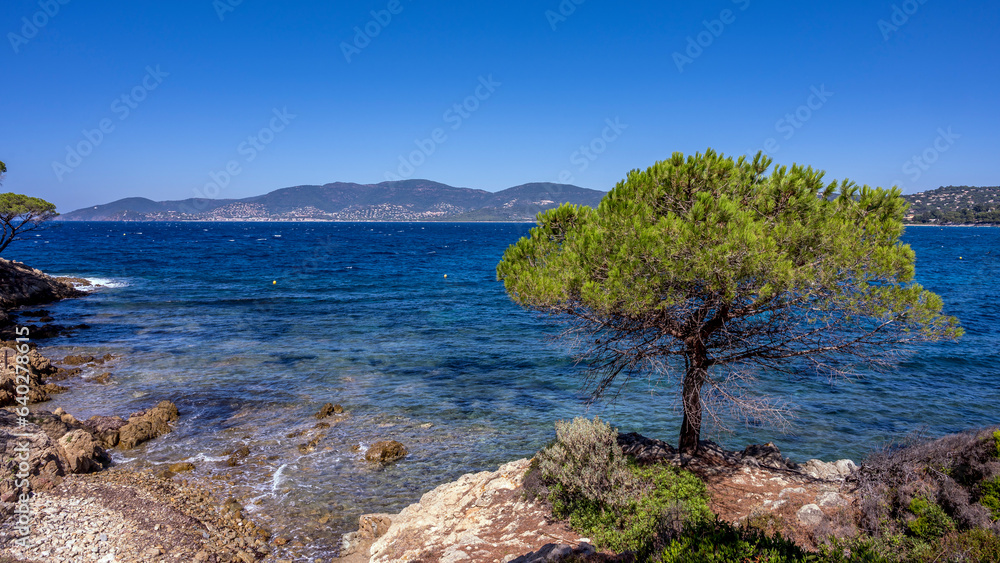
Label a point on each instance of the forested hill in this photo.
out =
(408, 200)
(955, 205)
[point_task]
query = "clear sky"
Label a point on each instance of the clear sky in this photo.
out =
(308, 92)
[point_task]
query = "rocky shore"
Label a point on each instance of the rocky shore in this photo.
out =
(486, 517)
(82, 510)
(21, 285)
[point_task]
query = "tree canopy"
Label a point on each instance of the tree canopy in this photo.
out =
(20, 214)
(714, 268)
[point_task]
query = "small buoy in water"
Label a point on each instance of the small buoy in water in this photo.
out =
(959, 257)
(275, 282)
(446, 275)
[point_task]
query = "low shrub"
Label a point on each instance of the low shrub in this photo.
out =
(931, 521)
(620, 505)
(989, 496)
(721, 542)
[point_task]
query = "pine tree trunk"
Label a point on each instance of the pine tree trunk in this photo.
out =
(694, 380)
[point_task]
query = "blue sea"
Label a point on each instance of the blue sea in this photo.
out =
(251, 327)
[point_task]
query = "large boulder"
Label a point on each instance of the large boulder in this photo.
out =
(146, 425)
(106, 429)
(83, 452)
(49, 459)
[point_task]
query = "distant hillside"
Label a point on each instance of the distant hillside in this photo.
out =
(408, 200)
(955, 205)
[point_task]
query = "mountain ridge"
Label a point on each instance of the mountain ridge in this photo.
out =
(405, 200)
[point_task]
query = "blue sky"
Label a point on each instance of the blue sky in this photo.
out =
(288, 93)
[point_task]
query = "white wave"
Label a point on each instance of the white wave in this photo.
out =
(96, 283)
(276, 480)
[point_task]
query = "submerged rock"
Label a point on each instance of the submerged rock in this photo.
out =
(329, 409)
(386, 452)
(238, 455)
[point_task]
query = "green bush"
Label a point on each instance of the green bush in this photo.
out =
(932, 521)
(976, 546)
(721, 542)
(996, 440)
(989, 496)
(618, 504)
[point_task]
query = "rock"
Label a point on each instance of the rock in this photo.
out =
(181, 467)
(766, 455)
(325, 411)
(21, 285)
(238, 456)
(386, 452)
(555, 552)
(39, 368)
(645, 450)
(845, 467)
(83, 452)
(480, 517)
(75, 360)
(832, 499)
(46, 464)
(106, 429)
(102, 379)
(146, 425)
(337, 409)
(828, 471)
(811, 515)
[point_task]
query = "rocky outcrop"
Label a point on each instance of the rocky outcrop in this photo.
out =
(83, 452)
(485, 517)
(829, 470)
(106, 429)
(39, 370)
(480, 517)
(22, 285)
(49, 458)
(146, 425)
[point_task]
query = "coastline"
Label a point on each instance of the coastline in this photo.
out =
(83, 506)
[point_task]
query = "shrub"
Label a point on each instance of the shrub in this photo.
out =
(721, 542)
(587, 463)
(978, 546)
(618, 504)
(946, 472)
(989, 496)
(931, 520)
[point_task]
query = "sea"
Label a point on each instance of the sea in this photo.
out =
(251, 327)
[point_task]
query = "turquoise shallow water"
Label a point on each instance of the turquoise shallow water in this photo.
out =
(362, 315)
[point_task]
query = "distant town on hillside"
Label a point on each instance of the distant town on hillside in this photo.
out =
(424, 200)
